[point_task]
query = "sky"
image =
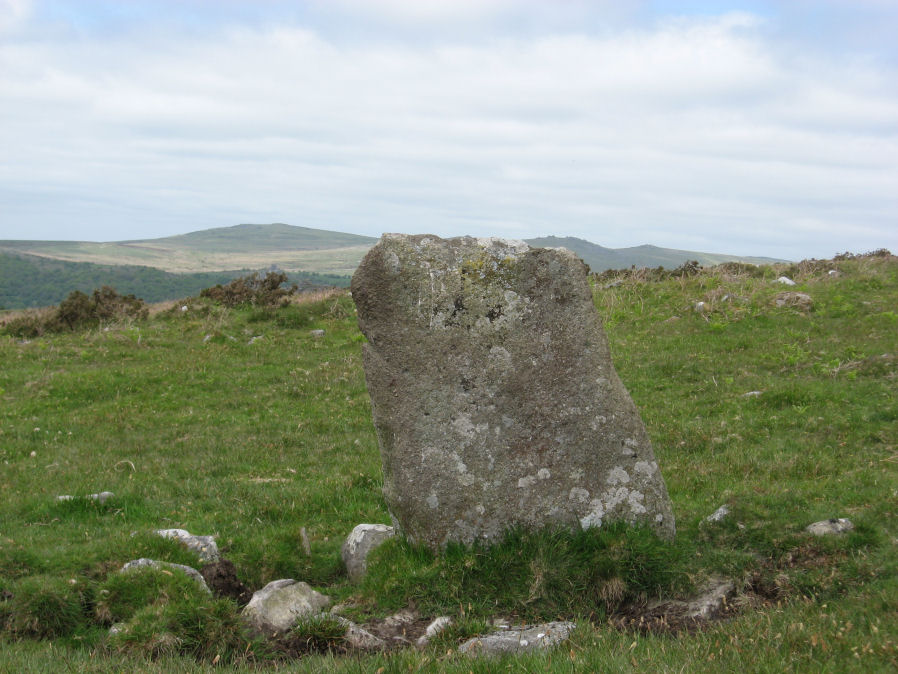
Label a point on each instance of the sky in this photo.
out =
(750, 128)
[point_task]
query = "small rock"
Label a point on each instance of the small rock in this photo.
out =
(613, 284)
(836, 525)
(184, 308)
(143, 562)
(316, 333)
(357, 637)
(398, 620)
(701, 307)
(204, 546)
(710, 601)
(253, 340)
(434, 628)
(359, 544)
(718, 515)
(793, 299)
(833, 273)
(207, 338)
(751, 394)
(117, 628)
(101, 498)
(519, 640)
(279, 605)
(785, 280)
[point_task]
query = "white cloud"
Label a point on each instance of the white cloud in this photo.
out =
(694, 134)
(13, 13)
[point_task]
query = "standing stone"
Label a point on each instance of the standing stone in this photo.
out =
(493, 393)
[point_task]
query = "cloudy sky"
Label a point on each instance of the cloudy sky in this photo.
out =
(755, 127)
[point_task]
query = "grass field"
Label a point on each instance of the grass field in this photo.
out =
(193, 423)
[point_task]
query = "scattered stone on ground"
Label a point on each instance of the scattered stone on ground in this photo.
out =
(793, 299)
(316, 333)
(359, 544)
(718, 515)
(204, 546)
(702, 307)
(101, 497)
(255, 338)
(835, 525)
(356, 637)
(519, 639)
(751, 394)
(711, 603)
(785, 280)
(494, 397)
(400, 629)
(434, 628)
(279, 605)
(144, 562)
(834, 273)
(221, 577)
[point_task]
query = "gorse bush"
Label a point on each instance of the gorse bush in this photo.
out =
(252, 290)
(79, 311)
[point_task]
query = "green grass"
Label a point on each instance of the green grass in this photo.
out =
(193, 426)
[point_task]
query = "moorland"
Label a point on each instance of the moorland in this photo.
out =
(238, 421)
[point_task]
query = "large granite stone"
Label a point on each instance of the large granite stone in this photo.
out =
(493, 393)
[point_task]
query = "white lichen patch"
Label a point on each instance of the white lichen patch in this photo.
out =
(636, 499)
(500, 357)
(526, 481)
(610, 500)
(578, 494)
(433, 501)
(645, 468)
(617, 475)
(576, 475)
(463, 426)
(543, 474)
(594, 517)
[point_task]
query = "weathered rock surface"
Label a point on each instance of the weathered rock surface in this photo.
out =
(494, 397)
(204, 546)
(279, 605)
(359, 544)
(144, 562)
(519, 640)
(836, 525)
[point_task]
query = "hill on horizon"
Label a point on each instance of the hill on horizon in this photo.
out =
(293, 248)
(29, 281)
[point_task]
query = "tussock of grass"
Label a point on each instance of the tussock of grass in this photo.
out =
(47, 607)
(314, 634)
(533, 575)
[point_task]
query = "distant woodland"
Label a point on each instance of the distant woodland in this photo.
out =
(31, 281)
